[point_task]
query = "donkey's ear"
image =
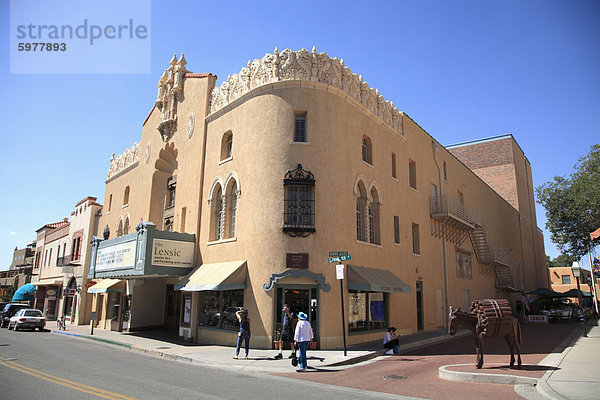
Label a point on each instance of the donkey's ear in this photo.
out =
(458, 309)
(451, 309)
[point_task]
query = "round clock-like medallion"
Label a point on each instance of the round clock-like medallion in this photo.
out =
(190, 125)
(147, 155)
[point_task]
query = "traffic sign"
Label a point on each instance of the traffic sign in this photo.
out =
(339, 271)
(340, 258)
(337, 253)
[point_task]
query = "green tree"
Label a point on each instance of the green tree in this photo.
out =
(562, 260)
(573, 205)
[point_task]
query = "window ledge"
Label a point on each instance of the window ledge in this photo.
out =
(416, 254)
(301, 143)
(108, 212)
(415, 189)
(225, 160)
(366, 163)
(228, 240)
(397, 244)
(395, 179)
(369, 244)
(125, 205)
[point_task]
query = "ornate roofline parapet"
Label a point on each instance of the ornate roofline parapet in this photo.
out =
(303, 65)
(124, 160)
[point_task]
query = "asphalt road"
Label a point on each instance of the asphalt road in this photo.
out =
(42, 365)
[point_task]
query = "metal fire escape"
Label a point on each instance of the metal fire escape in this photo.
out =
(453, 221)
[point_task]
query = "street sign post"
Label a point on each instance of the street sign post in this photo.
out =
(339, 256)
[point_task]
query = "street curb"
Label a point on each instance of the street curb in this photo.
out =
(476, 377)
(566, 345)
(97, 339)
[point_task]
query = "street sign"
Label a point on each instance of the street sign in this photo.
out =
(340, 258)
(339, 271)
(337, 253)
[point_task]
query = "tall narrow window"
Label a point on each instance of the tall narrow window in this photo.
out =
(394, 166)
(361, 210)
(412, 174)
(367, 150)
(183, 216)
(461, 198)
(126, 196)
(226, 145)
(50, 257)
(415, 239)
(445, 172)
(109, 202)
(126, 226)
(120, 228)
(218, 214)
(300, 127)
(299, 202)
(232, 212)
(396, 229)
(171, 185)
(374, 236)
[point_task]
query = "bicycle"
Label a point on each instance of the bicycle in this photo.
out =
(60, 324)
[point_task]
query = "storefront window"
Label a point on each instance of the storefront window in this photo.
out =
(186, 316)
(368, 311)
(216, 309)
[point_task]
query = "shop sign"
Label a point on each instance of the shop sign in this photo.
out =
(51, 292)
(119, 256)
(296, 260)
(172, 253)
(537, 319)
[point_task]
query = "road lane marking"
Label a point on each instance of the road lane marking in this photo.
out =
(64, 382)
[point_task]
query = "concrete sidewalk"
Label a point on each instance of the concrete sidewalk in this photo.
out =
(576, 375)
(259, 360)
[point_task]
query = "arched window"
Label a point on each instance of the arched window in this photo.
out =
(367, 150)
(217, 217)
(120, 228)
(226, 145)
(126, 226)
(232, 194)
(299, 202)
(126, 196)
(374, 236)
(361, 205)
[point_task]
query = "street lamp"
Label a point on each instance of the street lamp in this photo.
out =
(577, 273)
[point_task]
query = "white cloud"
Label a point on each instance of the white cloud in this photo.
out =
(11, 233)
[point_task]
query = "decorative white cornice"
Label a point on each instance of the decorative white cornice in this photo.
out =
(124, 160)
(303, 65)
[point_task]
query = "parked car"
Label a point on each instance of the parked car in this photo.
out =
(27, 318)
(10, 310)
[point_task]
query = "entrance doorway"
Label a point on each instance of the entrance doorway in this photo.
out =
(300, 299)
(172, 309)
(419, 287)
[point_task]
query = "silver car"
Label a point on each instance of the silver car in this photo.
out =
(27, 318)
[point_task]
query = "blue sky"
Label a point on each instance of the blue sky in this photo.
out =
(463, 70)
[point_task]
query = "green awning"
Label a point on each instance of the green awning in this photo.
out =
(375, 280)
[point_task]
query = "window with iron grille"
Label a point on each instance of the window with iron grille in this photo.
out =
(299, 202)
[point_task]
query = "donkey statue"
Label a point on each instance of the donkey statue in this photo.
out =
(512, 333)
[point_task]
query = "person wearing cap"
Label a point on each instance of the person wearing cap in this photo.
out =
(244, 333)
(303, 336)
(287, 331)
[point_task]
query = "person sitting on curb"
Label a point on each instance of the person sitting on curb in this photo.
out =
(391, 342)
(287, 332)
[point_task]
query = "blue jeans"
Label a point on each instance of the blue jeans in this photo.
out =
(302, 354)
(245, 336)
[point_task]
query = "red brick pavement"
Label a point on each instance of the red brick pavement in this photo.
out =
(420, 367)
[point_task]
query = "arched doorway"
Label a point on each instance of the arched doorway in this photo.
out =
(69, 304)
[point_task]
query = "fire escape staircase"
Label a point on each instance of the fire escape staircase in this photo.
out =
(455, 222)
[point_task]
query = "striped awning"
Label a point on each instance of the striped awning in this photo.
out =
(375, 280)
(219, 276)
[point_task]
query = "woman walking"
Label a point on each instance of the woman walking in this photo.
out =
(244, 333)
(303, 336)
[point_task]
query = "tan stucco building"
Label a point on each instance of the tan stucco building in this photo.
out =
(290, 159)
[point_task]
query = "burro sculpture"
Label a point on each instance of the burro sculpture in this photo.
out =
(488, 319)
